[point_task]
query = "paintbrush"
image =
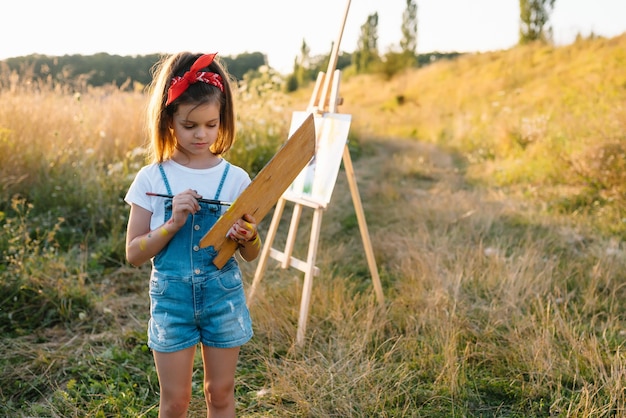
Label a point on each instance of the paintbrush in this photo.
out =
(211, 201)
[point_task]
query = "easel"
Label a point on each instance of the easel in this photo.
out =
(325, 98)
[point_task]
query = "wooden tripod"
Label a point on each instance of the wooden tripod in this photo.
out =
(325, 99)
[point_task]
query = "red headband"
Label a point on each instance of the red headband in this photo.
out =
(180, 84)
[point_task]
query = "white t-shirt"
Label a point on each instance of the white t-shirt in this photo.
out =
(181, 178)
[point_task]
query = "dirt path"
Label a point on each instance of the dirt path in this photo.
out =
(420, 207)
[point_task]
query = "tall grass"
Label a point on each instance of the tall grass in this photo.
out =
(497, 237)
(66, 160)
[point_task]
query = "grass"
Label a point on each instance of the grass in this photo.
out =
(498, 237)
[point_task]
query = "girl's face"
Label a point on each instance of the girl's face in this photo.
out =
(196, 128)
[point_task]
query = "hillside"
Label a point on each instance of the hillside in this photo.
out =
(523, 82)
(549, 121)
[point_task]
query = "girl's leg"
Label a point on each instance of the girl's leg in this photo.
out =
(220, 365)
(175, 372)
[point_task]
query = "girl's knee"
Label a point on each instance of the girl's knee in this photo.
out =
(220, 395)
(175, 405)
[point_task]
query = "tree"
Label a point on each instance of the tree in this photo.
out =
(301, 69)
(395, 61)
(534, 17)
(367, 45)
(408, 43)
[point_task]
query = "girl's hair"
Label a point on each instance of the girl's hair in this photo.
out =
(159, 115)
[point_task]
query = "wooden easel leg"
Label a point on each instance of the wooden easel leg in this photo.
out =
(267, 246)
(308, 276)
(291, 236)
(360, 215)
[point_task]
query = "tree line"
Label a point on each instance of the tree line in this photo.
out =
(134, 72)
(105, 69)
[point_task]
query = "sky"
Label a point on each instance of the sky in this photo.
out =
(277, 28)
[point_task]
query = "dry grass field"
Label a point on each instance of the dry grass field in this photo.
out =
(493, 188)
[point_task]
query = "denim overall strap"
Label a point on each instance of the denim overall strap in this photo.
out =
(219, 188)
(167, 184)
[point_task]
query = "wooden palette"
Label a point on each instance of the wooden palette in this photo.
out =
(264, 190)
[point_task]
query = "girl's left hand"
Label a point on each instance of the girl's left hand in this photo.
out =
(244, 230)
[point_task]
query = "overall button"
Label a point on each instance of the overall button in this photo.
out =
(196, 248)
(197, 271)
(196, 227)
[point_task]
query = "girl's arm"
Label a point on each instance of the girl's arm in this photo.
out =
(249, 250)
(141, 243)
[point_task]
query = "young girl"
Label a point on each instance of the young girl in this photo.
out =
(191, 122)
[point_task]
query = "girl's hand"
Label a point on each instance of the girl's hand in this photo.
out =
(243, 230)
(183, 204)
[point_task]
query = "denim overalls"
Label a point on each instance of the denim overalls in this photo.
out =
(191, 300)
